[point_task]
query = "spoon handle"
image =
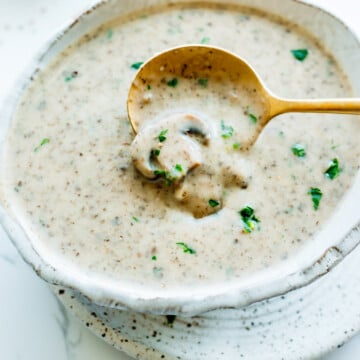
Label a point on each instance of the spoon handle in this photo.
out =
(341, 106)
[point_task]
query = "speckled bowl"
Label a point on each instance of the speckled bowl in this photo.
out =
(336, 240)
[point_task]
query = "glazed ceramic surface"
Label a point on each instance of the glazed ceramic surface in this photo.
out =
(332, 311)
(284, 327)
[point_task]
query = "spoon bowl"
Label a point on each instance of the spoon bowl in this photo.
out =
(202, 62)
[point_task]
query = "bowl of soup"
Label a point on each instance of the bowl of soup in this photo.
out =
(84, 217)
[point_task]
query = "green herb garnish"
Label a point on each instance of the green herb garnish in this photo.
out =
(162, 135)
(236, 146)
(154, 258)
(173, 82)
(155, 152)
(162, 173)
(178, 168)
(253, 118)
(136, 219)
(136, 65)
(227, 131)
(186, 249)
(168, 176)
(158, 172)
(165, 175)
(333, 170)
(43, 142)
(300, 54)
(316, 196)
(203, 82)
(148, 86)
(250, 221)
(205, 40)
(72, 76)
(298, 150)
(213, 203)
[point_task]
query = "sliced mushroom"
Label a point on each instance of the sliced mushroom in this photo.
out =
(171, 145)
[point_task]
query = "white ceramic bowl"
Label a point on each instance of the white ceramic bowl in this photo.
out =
(333, 243)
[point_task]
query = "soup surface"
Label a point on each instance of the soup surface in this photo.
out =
(69, 174)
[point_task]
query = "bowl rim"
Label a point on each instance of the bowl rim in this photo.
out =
(188, 304)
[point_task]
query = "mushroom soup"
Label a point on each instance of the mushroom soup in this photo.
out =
(209, 209)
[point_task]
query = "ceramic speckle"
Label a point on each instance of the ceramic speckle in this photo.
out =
(301, 324)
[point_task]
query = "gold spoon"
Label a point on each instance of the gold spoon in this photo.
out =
(201, 62)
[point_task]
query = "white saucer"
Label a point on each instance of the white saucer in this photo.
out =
(302, 324)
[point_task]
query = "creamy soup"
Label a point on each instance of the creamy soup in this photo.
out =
(98, 200)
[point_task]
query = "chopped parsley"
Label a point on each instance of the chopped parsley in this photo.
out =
(136, 65)
(173, 82)
(178, 168)
(333, 170)
(186, 248)
(43, 142)
(236, 146)
(316, 196)
(136, 219)
(227, 131)
(162, 135)
(169, 176)
(300, 54)
(155, 152)
(162, 173)
(213, 203)
(166, 175)
(148, 86)
(203, 82)
(253, 118)
(154, 258)
(298, 150)
(72, 76)
(205, 40)
(250, 221)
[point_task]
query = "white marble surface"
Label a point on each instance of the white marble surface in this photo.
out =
(33, 324)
